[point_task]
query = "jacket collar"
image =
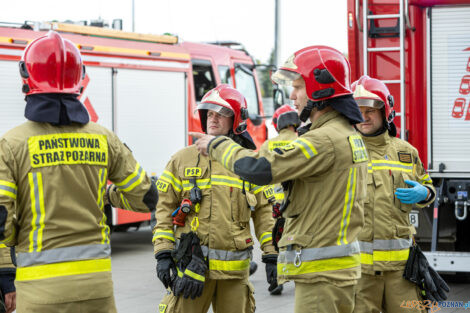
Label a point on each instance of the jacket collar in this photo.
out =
(377, 141)
(325, 118)
(57, 109)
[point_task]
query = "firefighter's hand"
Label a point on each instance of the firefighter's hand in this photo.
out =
(202, 141)
(412, 195)
(10, 302)
(165, 267)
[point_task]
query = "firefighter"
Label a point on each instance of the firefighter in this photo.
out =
(220, 216)
(396, 181)
(327, 170)
(54, 170)
(285, 120)
(7, 278)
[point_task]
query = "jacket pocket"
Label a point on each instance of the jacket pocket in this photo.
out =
(300, 241)
(242, 236)
(404, 231)
(399, 182)
(241, 211)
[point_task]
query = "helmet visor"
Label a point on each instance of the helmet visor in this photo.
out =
(372, 103)
(224, 111)
(284, 77)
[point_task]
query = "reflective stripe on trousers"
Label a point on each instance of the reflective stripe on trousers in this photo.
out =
(383, 250)
(312, 260)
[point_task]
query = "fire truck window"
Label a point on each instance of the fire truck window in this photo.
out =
(245, 83)
(225, 77)
(203, 78)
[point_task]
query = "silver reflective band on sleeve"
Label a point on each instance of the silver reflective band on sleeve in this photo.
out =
(8, 189)
(385, 245)
(311, 254)
(57, 255)
(132, 180)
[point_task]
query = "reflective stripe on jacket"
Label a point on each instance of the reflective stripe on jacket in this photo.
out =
(227, 205)
(328, 167)
(386, 236)
(53, 187)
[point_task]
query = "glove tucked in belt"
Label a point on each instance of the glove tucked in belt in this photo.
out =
(191, 276)
(419, 272)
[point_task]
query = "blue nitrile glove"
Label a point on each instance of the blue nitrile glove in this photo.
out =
(412, 195)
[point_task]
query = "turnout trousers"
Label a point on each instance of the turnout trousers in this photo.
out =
(225, 295)
(387, 292)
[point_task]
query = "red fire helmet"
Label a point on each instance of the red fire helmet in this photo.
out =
(325, 70)
(285, 116)
(51, 64)
(227, 101)
(371, 92)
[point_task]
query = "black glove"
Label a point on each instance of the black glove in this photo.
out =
(271, 270)
(418, 271)
(194, 274)
(194, 277)
(165, 265)
(433, 286)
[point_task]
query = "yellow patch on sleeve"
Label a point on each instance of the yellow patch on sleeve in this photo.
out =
(162, 308)
(268, 192)
(277, 144)
(288, 147)
(192, 172)
(162, 186)
(358, 149)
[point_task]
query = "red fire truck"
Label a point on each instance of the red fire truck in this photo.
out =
(143, 87)
(421, 50)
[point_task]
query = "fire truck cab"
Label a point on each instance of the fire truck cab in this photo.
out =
(421, 50)
(143, 87)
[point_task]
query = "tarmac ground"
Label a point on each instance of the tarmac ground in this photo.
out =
(138, 290)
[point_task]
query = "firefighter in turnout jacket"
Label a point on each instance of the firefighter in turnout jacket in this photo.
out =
(285, 121)
(54, 170)
(327, 167)
(396, 181)
(220, 217)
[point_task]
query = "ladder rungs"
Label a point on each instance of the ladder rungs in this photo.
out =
(396, 81)
(383, 49)
(379, 16)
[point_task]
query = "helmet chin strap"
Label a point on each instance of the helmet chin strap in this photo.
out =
(307, 110)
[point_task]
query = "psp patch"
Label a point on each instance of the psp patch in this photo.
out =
(162, 186)
(277, 144)
(404, 157)
(287, 147)
(192, 172)
(268, 192)
(162, 308)
(358, 149)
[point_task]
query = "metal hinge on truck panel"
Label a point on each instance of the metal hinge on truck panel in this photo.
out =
(383, 32)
